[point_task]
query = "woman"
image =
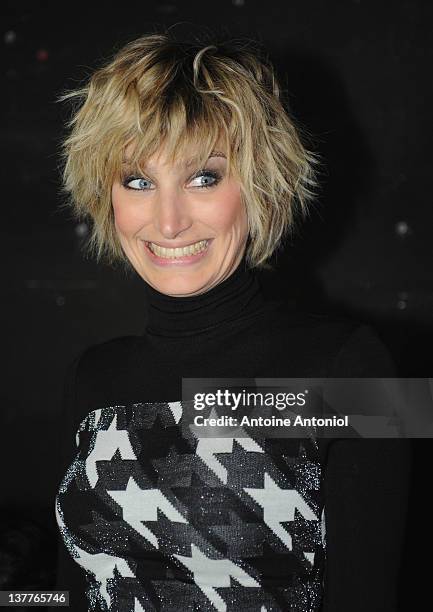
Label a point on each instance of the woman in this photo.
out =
(192, 173)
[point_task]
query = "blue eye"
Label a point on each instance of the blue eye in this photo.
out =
(138, 183)
(208, 174)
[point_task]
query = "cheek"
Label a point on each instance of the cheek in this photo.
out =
(127, 217)
(230, 212)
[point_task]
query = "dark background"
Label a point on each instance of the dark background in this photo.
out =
(357, 76)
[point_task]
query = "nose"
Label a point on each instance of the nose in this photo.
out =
(171, 214)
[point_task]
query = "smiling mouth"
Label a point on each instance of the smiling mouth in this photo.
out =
(192, 249)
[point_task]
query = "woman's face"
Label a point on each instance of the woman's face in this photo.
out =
(176, 206)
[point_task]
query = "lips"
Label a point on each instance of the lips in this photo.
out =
(164, 256)
(178, 252)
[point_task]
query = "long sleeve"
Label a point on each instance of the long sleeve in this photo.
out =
(366, 497)
(69, 575)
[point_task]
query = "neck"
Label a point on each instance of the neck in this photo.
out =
(237, 296)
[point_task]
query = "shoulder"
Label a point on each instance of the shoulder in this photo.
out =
(106, 352)
(363, 354)
(95, 368)
(348, 346)
(104, 358)
(325, 330)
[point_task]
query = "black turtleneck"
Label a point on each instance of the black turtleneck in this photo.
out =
(234, 331)
(238, 296)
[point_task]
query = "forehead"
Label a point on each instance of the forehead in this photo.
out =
(154, 162)
(160, 159)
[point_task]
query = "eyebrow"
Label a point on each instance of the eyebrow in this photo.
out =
(188, 163)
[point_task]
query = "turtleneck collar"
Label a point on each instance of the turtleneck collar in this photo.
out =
(236, 297)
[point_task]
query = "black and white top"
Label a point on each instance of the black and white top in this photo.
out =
(153, 518)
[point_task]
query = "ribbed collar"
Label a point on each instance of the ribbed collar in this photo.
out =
(236, 297)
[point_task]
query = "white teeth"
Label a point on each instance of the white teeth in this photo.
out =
(192, 249)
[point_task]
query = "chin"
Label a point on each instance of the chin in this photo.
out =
(177, 286)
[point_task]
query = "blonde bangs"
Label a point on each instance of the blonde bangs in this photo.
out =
(178, 136)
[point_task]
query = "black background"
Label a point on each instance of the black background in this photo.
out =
(357, 76)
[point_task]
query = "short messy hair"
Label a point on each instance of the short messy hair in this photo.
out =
(158, 91)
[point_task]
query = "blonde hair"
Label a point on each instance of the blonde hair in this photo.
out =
(158, 91)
